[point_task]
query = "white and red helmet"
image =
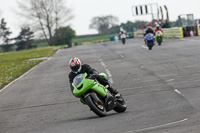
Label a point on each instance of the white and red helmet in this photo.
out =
(75, 65)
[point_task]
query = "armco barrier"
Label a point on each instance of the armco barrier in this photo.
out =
(96, 41)
(181, 32)
(140, 33)
(173, 32)
(135, 35)
(168, 33)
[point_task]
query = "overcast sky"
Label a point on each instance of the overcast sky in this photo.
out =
(85, 10)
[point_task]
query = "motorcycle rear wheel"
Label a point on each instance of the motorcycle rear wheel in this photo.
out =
(121, 105)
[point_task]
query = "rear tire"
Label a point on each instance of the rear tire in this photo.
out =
(94, 107)
(121, 105)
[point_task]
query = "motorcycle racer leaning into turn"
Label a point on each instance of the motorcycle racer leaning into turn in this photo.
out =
(77, 68)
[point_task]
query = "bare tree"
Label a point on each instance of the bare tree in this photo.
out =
(45, 15)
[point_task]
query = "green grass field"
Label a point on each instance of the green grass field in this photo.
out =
(94, 39)
(14, 64)
(83, 40)
(44, 44)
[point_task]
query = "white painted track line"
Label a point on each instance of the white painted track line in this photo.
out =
(25, 74)
(156, 127)
(107, 71)
(145, 47)
(19, 77)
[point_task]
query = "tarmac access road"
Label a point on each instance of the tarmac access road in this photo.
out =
(161, 88)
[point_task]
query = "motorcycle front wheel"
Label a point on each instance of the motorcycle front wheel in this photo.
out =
(159, 41)
(123, 40)
(95, 106)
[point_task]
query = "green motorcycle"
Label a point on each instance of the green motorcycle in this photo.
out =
(96, 96)
(159, 37)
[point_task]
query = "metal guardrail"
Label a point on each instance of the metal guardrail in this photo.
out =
(139, 33)
(173, 32)
(168, 33)
(94, 42)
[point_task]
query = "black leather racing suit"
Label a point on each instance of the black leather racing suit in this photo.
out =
(149, 30)
(90, 71)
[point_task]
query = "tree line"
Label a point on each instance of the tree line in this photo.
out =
(47, 19)
(22, 41)
(108, 24)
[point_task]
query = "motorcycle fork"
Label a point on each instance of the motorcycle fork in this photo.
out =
(97, 101)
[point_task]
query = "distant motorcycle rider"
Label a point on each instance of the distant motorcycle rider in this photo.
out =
(158, 28)
(77, 68)
(149, 30)
(123, 36)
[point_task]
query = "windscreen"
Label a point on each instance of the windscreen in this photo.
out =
(150, 35)
(78, 79)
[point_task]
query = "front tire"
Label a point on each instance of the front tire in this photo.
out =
(159, 42)
(95, 107)
(150, 46)
(123, 40)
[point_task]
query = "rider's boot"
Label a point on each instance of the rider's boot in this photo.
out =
(113, 91)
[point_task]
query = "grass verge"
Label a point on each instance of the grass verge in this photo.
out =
(93, 39)
(14, 64)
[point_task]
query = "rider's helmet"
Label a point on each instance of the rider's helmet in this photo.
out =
(149, 25)
(75, 65)
(158, 26)
(149, 28)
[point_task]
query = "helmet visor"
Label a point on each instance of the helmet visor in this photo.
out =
(75, 69)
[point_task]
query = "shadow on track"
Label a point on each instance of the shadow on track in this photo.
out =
(93, 117)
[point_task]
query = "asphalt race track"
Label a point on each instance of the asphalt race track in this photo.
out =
(161, 87)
